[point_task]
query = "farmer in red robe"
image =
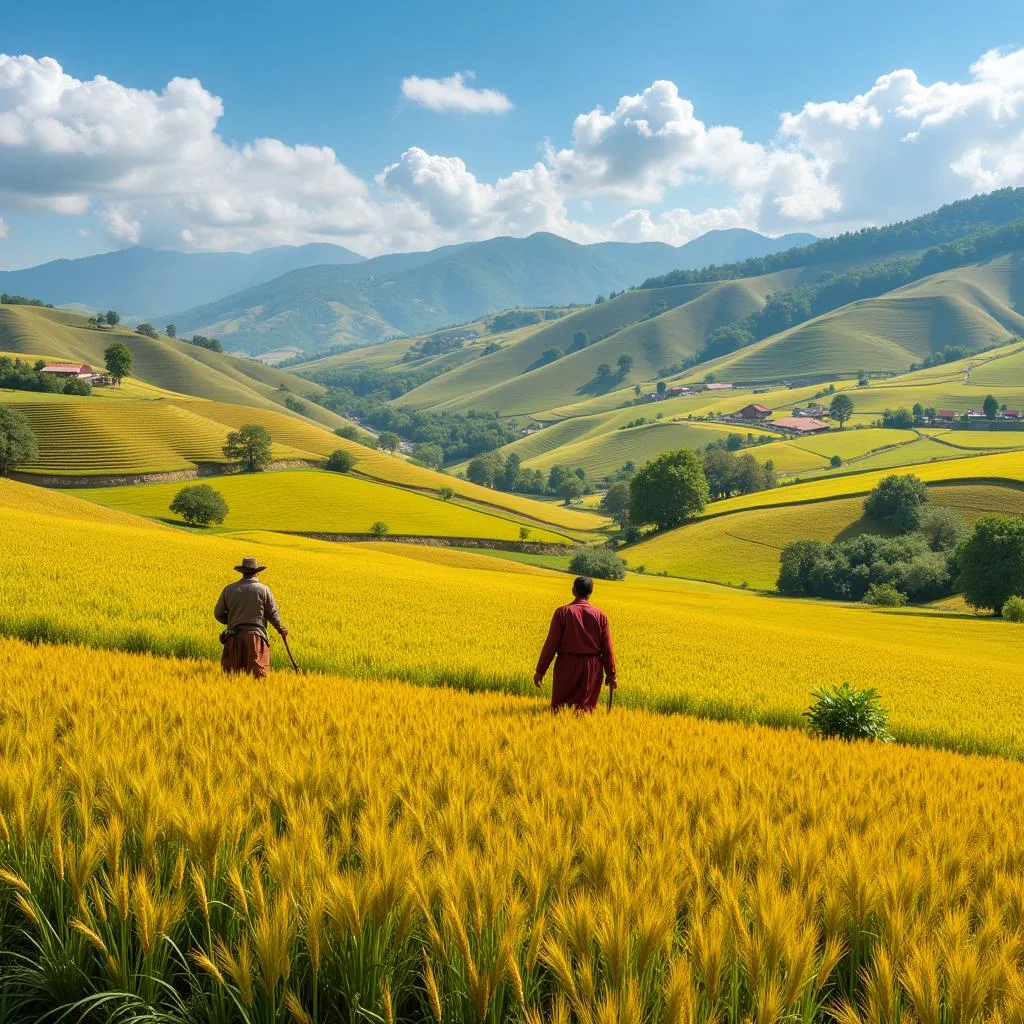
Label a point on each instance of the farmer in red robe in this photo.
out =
(246, 607)
(580, 636)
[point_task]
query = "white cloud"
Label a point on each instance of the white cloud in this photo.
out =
(151, 167)
(452, 93)
(5, 229)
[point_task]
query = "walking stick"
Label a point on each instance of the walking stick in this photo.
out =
(611, 692)
(289, 650)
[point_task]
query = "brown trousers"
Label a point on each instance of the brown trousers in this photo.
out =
(246, 651)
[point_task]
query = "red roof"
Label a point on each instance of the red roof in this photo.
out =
(947, 414)
(1012, 412)
(67, 368)
(805, 424)
(755, 408)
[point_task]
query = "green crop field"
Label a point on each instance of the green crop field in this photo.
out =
(743, 548)
(314, 501)
(850, 444)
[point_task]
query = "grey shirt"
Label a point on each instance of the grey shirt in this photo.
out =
(248, 604)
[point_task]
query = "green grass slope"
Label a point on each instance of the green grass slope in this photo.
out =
(978, 306)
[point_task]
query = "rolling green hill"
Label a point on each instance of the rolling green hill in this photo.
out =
(318, 307)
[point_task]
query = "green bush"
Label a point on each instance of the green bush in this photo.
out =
(200, 505)
(340, 461)
(599, 563)
(1013, 609)
(380, 529)
(847, 713)
(885, 595)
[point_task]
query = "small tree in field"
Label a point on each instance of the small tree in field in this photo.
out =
(841, 409)
(990, 407)
(388, 441)
(200, 505)
(113, 317)
(1013, 609)
(898, 501)
(340, 461)
(380, 529)
(524, 533)
(17, 440)
(847, 713)
(250, 445)
(446, 494)
(669, 490)
(147, 330)
(118, 360)
(599, 563)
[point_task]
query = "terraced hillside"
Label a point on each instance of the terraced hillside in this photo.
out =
(314, 501)
(743, 548)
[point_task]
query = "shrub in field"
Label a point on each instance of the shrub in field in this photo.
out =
(836, 461)
(17, 440)
(885, 595)
(340, 461)
(1013, 609)
(847, 713)
(200, 505)
(898, 502)
(380, 529)
(600, 563)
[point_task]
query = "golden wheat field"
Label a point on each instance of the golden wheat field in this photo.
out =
(181, 847)
(682, 647)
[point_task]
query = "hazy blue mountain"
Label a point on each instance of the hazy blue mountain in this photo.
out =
(146, 283)
(409, 293)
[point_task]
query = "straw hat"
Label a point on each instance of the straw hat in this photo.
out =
(249, 565)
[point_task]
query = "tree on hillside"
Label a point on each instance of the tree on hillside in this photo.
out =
(898, 502)
(598, 563)
(113, 317)
(991, 562)
(990, 407)
(615, 503)
(669, 490)
(147, 330)
(446, 494)
(340, 461)
(570, 489)
(118, 360)
(171, 330)
(662, 387)
(917, 412)
(625, 364)
(579, 340)
(484, 469)
(17, 440)
(250, 445)
(637, 390)
(388, 441)
(550, 355)
(604, 371)
(200, 505)
(431, 455)
(841, 409)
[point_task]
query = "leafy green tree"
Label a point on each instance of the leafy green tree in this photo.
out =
(350, 432)
(485, 469)
(898, 502)
(918, 412)
(431, 455)
(551, 355)
(625, 364)
(388, 441)
(113, 317)
(604, 371)
(446, 494)
(797, 561)
(17, 440)
(598, 563)
(507, 478)
(637, 390)
(991, 562)
(200, 505)
(171, 330)
(579, 340)
(662, 387)
(841, 409)
(669, 490)
(885, 595)
(380, 529)
(571, 488)
(147, 330)
(296, 405)
(341, 460)
(942, 528)
(1013, 609)
(615, 503)
(118, 360)
(524, 533)
(990, 407)
(250, 445)
(836, 461)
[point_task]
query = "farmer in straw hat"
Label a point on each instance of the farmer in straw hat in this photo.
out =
(245, 608)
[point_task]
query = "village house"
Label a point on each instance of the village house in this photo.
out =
(946, 415)
(1011, 414)
(799, 424)
(718, 387)
(754, 411)
(83, 371)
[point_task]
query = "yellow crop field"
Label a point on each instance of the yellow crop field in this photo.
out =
(849, 444)
(973, 439)
(742, 548)
(316, 501)
(195, 848)
(682, 647)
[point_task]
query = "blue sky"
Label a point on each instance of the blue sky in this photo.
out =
(330, 75)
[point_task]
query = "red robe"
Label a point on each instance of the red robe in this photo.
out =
(580, 636)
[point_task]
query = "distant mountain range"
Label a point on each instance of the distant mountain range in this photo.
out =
(144, 283)
(317, 307)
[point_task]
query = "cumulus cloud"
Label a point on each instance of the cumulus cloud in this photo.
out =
(151, 167)
(452, 93)
(5, 229)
